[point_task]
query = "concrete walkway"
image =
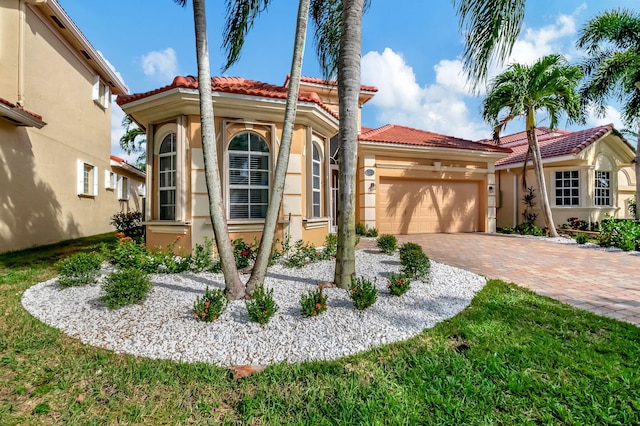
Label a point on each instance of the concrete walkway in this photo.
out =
(606, 283)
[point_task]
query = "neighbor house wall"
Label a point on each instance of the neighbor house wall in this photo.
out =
(39, 167)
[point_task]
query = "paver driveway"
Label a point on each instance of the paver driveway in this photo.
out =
(606, 283)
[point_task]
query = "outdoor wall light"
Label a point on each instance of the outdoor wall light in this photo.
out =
(372, 187)
(492, 190)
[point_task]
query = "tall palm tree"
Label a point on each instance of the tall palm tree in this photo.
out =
(550, 85)
(612, 41)
(234, 288)
(241, 14)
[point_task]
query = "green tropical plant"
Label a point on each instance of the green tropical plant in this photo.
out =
(313, 303)
(129, 223)
(125, 287)
(363, 293)
(387, 243)
(134, 141)
(415, 263)
(261, 307)
(79, 269)
(549, 85)
(398, 284)
(612, 68)
(210, 306)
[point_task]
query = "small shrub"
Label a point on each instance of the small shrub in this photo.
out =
(363, 293)
(387, 243)
(361, 229)
(167, 262)
(79, 269)
(621, 233)
(129, 254)
(529, 229)
(632, 206)
(330, 247)
(313, 303)
(125, 287)
(301, 254)
(582, 238)
(261, 307)
(242, 252)
(506, 230)
(398, 284)
(372, 232)
(415, 264)
(210, 306)
(202, 257)
(129, 223)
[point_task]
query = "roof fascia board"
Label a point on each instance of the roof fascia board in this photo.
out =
(434, 149)
(549, 160)
(22, 117)
(102, 67)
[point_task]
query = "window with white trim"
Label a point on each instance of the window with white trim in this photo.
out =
(87, 179)
(110, 179)
(101, 93)
(167, 171)
(316, 182)
(603, 188)
(124, 191)
(567, 188)
(248, 155)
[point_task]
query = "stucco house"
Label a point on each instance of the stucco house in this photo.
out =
(588, 173)
(57, 180)
(409, 180)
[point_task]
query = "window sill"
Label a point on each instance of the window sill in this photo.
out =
(167, 227)
(316, 222)
(97, 102)
(87, 195)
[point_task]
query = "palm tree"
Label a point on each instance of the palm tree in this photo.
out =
(234, 288)
(612, 41)
(549, 85)
(131, 143)
(241, 14)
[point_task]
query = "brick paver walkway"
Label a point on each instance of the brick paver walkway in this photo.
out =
(606, 283)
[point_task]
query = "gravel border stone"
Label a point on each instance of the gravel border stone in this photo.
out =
(163, 327)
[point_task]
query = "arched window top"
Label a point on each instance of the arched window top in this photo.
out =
(247, 141)
(168, 144)
(316, 153)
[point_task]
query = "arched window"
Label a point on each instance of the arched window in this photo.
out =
(248, 177)
(167, 167)
(316, 179)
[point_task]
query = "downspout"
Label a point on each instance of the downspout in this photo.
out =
(21, 42)
(515, 197)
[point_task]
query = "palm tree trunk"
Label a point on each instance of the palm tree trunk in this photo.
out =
(275, 199)
(233, 286)
(348, 92)
(537, 164)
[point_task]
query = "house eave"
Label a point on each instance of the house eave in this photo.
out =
(434, 149)
(20, 117)
(548, 160)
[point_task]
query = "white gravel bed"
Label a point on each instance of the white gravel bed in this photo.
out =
(163, 327)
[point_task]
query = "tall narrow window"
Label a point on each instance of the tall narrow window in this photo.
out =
(248, 177)
(167, 178)
(316, 179)
(603, 188)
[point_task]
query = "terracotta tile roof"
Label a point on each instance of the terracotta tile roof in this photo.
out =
(12, 105)
(316, 80)
(394, 134)
(554, 144)
(235, 85)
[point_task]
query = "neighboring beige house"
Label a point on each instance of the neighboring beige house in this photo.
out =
(409, 180)
(55, 129)
(128, 183)
(588, 173)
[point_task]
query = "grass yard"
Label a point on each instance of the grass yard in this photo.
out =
(512, 357)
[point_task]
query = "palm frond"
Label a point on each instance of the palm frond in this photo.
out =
(490, 29)
(241, 15)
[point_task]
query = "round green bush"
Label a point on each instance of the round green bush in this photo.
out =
(125, 287)
(79, 269)
(415, 264)
(387, 243)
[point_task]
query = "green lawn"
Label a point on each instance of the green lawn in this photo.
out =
(512, 357)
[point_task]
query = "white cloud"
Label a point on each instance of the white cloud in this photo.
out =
(161, 64)
(612, 115)
(438, 108)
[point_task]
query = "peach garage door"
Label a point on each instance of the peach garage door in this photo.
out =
(422, 206)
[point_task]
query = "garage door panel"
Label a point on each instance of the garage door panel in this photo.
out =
(420, 206)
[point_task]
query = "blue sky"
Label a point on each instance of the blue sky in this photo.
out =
(411, 53)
